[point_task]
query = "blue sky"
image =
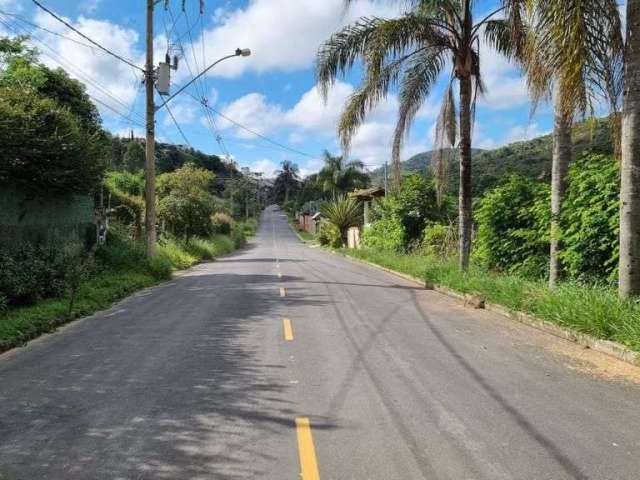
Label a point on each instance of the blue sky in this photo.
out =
(272, 92)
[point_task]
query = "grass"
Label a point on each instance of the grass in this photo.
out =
(306, 236)
(121, 269)
(589, 309)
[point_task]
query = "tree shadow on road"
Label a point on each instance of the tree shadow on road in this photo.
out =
(176, 384)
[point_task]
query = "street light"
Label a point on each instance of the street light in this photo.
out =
(240, 52)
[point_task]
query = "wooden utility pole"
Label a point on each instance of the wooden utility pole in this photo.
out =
(150, 156)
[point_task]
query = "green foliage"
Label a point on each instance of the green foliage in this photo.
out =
(398, 220)
(134, 157)
(513, 227)
(386, 231)
(593, 310)
(185, 203)
(222, 223)
(342, 213)
(30, 273)
(417, 206)
(287, 182)
(329, 235)
(45, 150)
(339, 176)
(591, 219)
(440, 240)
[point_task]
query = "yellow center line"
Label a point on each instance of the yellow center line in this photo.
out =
(308, 462)
(283, 292)
(288, 329)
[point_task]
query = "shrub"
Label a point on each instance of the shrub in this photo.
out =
(185, 202)
(342, 213)
(386, 231)
(30, 273)
(513, 227)
(328, 235)
(172, 251)
(417, 206)
(590, 219)
(440, 240)
(238, 235)
(222, 223)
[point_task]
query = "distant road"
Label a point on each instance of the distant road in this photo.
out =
(282, 359)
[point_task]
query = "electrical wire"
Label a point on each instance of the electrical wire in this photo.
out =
(61, 61)
(184, 137)
(90, 40)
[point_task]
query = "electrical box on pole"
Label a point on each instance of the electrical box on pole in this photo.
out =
(164, 78)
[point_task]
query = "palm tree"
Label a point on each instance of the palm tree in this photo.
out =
(573, 49)
(339, 176)
(287, 177)
(343, 213)
(411, 51)
(629, 283)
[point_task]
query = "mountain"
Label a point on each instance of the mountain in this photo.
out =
(531, 158)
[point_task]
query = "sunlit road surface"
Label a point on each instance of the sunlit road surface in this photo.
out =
(286, 362)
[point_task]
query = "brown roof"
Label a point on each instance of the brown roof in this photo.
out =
(368, 193)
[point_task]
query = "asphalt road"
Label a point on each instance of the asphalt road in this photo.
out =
(195, 379)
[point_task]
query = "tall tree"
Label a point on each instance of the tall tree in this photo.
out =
(411, 51)
(629, 283)
(338, 176)
(573, 48)
(287, 177)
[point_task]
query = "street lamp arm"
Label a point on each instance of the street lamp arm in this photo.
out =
(245, 52)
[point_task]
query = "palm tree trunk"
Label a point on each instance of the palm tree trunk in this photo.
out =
(562, 153)
(629, 268)
(286, 193)
(464, 200)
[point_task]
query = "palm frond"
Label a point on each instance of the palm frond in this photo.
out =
(444, 142)
(417, 81)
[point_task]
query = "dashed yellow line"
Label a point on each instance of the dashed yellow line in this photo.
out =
(308, 462)
(283, 292)
(287, 329)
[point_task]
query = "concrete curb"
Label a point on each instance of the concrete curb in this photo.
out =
(607, 347)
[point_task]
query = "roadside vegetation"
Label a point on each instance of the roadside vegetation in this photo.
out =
(538, 227)
(89, 253)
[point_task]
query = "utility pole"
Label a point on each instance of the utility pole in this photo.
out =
(150, 152)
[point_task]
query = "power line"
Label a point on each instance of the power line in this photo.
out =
(253, 132)
(51, 32)
(184, 137)
(93, 42)
(61, 61)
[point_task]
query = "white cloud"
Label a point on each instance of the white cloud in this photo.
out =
(184, 110)
(516, 133)
(254, 112)
(89, 6)
(283, 35)
(265, 166)
(106, 78)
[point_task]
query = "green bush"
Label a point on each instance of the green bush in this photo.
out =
(441, 240)
(386, 231)
(590, 219)
(417, 206)
(513, 227)
(222, 223)
(343, 213)
(30, 273)
(173, 251)
(238, 235)
(328, 235)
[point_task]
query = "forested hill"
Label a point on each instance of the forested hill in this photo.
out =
(128, 154)
(531, 158)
